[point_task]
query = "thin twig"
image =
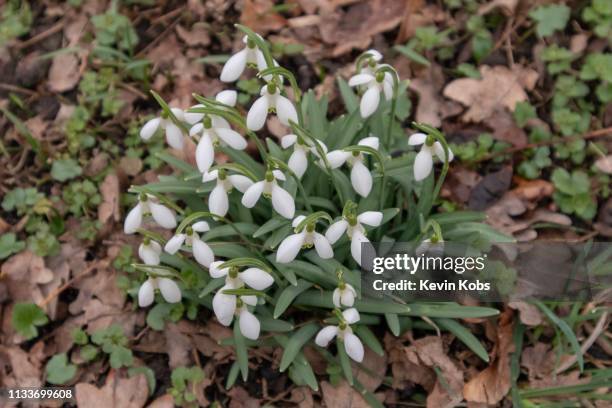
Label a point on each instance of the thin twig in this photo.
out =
(599, 328)
(66, 285)
(41, 36)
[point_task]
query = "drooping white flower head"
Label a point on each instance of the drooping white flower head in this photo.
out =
(227, 97)
(433, 246)
(361, 179)
(249, 55)
(174, 134)
(218, 200)
(344, 295)
(149, 251)
(201, 251)
(353, 227)
(374, 84)
(214, 130)
(423, 161)
(270, 100)
(306, 238)
(298, 161)
(352, 343)
(282, 201)
(168, 288)
(148, 205)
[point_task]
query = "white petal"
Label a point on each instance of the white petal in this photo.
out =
(439, 151)
(370, 141)
(326, 335)
(218, 202)
(240, 182)
(194, 118)
(336, 297)
(361, 179)
(422, 164)
(290, 247)
(282, 202)
(146, 294)
(196, 129)
(388, 89)
(371, 218)
(298, 162)
(351, 315)
(261, 61)
(215, 271)
(232, 138)
(162, 215)
(227, 97)
(353, 347)
(335, 231)
(149, 128)
(357, 241)
(348, 297)
(219, 122)
(178, 113)
(337, 158)
(205, 153)
(148, 254)
(285, 110)
(175, 243)
(169, 290)
(234, 66)
(256, 278)
(322, 246)
(256, 118)
(200, 226)
(417, 139)
(279, 175)
(202, 252)
(288, 140)
(174, 136)
(249, 325)
(252, 194)
(369, 102)
(360, 79)
(210, 176)
(224, 306)
(133, 220)
(250, 300)
(296, 221)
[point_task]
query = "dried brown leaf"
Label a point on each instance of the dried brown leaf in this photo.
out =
(130, 392)
(108, 210)
(65, 72)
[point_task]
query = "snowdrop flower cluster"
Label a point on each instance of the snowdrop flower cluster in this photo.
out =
(235, 265)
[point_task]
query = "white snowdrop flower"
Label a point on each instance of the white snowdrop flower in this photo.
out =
(174, 134)
(213, 131)
(227, 97)
(344, 295)
(433, 246)
(352, 343)
(371, 62)
(298, 161)
(149, 251)
(168, 288)
(423, 161)
(361, 179)
(270, 100)
(353, 227)
(249, 55)
(148, 205)
(227, 306)
(252, 277)
(218, 200)
(374, 84)
(306, 238)
(201, 251)
(282, 201)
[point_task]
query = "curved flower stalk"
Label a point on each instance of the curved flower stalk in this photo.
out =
(361, 178)
(423, 162)
(174, 134)
(149, 251)
(282, 201)
(298, 161)
(270, 100)
(214, 130)
(250, 55)
(227, 97)
(168, 288)
(352, 343)
(201, 251)
(353, 226)
(306, 238)
(148, 205)
(375, 84)
(218, 200)
(226, 306)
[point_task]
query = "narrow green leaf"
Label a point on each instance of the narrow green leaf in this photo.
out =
(566, 330)
(345, 361)
(288, 295)
(465, 336)
(241, 351)
(366, 335)
(296, 342)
